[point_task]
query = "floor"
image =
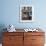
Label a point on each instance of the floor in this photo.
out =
(0, 44)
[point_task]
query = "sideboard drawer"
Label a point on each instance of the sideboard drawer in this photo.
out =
(13, 33)
(34, 33)
(37, 39)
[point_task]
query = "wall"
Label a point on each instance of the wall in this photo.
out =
(10, 13)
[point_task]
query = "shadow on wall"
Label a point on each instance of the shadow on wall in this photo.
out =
(2, 26)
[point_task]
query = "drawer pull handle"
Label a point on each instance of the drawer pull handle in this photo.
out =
(33, 39)
(10, 38)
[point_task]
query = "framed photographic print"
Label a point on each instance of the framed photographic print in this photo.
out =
(26, 13)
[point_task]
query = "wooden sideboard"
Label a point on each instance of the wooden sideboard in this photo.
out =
(23, 38)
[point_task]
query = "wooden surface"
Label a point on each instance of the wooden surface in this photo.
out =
(23, 39)
(13, 39)
(34, 39)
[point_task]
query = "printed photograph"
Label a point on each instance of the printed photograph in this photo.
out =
(26, 13)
